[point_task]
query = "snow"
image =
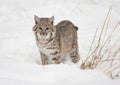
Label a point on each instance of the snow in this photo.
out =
(19, 57)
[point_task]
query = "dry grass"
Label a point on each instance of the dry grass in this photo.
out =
(101, 53)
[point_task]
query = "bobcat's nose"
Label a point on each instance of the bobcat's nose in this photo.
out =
(43, 34)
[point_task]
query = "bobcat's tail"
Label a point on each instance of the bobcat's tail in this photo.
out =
(76, 28)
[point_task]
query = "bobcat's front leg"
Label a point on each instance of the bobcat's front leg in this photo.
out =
(57, 60)
(44, 59)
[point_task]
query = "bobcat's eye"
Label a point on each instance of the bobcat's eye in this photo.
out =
(47, 28)
(40, 28)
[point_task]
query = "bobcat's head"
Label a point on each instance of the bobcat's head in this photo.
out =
(44, 28)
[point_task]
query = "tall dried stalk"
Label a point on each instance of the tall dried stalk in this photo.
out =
(100, 54)
(91, 60)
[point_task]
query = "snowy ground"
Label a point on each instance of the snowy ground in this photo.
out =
(19, 56)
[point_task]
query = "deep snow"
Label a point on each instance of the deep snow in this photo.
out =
(19, 57)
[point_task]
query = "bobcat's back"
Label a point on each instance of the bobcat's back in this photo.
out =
(66, 32)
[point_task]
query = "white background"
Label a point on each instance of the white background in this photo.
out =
(19, 57)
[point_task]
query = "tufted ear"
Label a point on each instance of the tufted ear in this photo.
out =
(37, 19)
(51, 19)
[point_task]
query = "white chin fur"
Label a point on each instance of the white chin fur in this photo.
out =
(47, 37)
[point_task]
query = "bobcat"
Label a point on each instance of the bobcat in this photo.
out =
(55, 42)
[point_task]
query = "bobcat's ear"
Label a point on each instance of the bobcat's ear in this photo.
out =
(37, 19)
(51, 19)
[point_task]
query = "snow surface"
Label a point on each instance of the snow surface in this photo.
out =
(19, 57)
